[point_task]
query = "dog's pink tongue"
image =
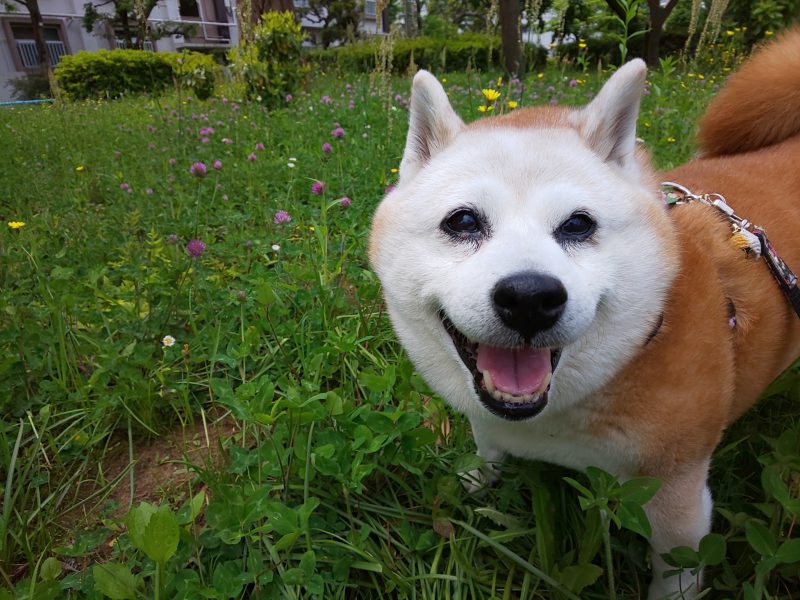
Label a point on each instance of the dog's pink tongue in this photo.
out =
(516, 371)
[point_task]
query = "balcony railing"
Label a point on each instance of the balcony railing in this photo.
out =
(30, 57)
(147, 45)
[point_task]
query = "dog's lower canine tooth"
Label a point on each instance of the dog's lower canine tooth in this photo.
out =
(487, 381)
(545, 383)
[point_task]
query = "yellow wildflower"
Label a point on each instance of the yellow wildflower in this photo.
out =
(671, 140)
(540, 75)
(393, 170)
(500, 81)
(16, 224)
(482, 108)
(729, 33)
(581, 45)
(768, 33)
(512, 104)
(80, 168)
(490, 95)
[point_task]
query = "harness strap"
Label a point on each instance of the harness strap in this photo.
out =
(744, 235)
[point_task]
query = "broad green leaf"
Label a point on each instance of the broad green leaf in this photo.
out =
(50, 569)
(760, 538)
(161, 535)
(773, 484)
(577, 577)
(639, 490)
(682, 556)
(712, 549)
(115, 581)
(136, 520)
(789, 551)
(633, 517)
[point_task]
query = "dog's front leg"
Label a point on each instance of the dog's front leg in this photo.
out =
(680, 515)
(477, 480)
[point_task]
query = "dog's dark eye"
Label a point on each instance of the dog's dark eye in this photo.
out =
(463, 221)
(577, 228)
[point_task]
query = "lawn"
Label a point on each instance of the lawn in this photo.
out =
(200, 392)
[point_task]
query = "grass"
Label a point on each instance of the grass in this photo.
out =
(307, 458)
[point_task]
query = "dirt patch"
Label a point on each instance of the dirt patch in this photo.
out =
(162, 468)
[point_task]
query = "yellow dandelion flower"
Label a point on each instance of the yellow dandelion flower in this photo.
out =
(393, 170)
(482, 108)
(729, 33)
(581, 45)
(80, 168)
(500, 81)
(16, 224)
(512, 104)
(490, 95)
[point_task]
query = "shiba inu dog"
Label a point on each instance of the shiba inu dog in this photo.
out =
(539, 283)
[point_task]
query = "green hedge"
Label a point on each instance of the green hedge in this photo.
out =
(453, 54)
(112, 73)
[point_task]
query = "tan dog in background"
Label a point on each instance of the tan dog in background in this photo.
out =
(542, 288)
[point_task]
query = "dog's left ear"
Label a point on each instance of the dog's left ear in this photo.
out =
(608, 123)
(432, 124)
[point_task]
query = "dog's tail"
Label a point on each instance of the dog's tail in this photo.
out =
(760, 104)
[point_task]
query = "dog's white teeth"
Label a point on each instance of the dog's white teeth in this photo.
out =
(545, 384)
(487, 381)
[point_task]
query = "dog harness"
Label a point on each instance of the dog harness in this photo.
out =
(745, 236)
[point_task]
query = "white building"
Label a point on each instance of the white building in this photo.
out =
(214, 20)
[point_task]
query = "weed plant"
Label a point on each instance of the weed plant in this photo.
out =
(201, 266)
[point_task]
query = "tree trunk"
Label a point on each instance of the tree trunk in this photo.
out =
(37, 24)
(658, 16)
(509, 35)
(410, 10)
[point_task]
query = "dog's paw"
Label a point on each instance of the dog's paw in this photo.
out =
(477, 481)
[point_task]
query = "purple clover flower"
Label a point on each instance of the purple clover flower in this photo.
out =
(217, 164)
(251, 157)
(198, 169)
(282, 217)
(259, 146)
(195, 248)
(345, 201)
(326, 148)
(337, 132)
(317, 188)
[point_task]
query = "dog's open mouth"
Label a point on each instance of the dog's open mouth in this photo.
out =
(512, 383)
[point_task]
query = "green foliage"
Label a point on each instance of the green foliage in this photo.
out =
(114, 73)
(31, 86)
(269, 65)
(438, 54)
(332, 468)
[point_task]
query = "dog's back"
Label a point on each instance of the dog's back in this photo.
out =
(749, 152)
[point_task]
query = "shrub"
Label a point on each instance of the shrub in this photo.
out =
(438, 54)
(112, 73)
(269, 66)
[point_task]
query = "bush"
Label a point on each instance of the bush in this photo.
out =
(113, 73)
(269, 66)
(31, 86)
(437, 54)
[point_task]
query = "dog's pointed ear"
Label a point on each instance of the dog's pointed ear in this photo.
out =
(608, 123)
(432, 124)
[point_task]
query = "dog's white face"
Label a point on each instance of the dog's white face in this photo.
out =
(523, 265)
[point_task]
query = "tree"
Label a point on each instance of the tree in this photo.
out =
(339, 19)
(130, 17)
(509, 36)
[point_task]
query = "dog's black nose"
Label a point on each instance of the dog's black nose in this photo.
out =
(529, 302)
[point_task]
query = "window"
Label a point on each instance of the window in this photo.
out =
(26, 46)
(301, 3)
(189, 8)
(369, 8)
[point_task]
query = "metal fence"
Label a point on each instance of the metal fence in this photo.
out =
(30, 57)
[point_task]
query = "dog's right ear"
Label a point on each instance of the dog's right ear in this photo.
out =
(432, 124)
